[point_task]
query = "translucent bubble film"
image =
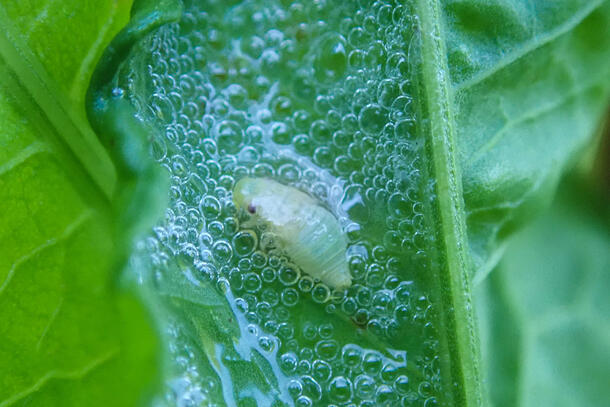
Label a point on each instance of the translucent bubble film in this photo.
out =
(319, 96)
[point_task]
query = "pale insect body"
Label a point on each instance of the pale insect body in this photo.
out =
(309, 234)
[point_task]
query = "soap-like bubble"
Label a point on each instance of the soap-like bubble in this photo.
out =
(320, 96)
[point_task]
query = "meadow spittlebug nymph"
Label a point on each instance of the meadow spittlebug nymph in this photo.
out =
(308, 233)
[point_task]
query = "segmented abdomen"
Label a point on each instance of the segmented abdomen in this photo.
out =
(319, 246)
(310, 235)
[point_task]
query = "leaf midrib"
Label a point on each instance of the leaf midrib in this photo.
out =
(70, 129)
(455, 264)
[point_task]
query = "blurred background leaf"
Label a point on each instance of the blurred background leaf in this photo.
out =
(544, 314)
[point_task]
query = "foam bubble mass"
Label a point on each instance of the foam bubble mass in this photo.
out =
(317, 95)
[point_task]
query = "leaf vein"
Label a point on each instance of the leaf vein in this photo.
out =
(70, 229)
(502, 132)
(30, 151)
(49, 324)
(529, 46)
(60, 375)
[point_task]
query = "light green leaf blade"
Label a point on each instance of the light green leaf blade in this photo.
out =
(70, 335)
(67, 37)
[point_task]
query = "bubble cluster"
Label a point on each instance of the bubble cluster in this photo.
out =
(193, 387)
(317, 95)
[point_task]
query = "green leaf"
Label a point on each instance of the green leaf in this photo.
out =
(544, 312)
(530, 85)
(432, 129)
(48, 29)
(70, 335)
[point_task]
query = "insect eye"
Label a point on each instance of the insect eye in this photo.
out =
(251, 208)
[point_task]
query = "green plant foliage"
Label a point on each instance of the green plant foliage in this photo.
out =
(67, 37)
(544, 312)
(530, 83)
(504, 96)
(452, 120)
(70, 335)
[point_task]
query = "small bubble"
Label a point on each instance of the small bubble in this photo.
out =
(311, 387)
(301, 120)
(305, 284)
(326, 330)
(295, 388)
(288, 362)
(372, 119)
(340, 389)
(290, 297)
(280, 133)
(401, 384)
(364, 386)
(375, 327)
(309, 331)
(320, 131)
(303, 144)
(263, 309)
(385, 395)
(372, 363)
(252, 282)
(351, 355)
(331, 59)
(403, 293)
(288, 275)
(389, 372)
(323, 157)
(236, 95)
(230, 137)
(259, 259)
(210, 207)
(327, 349)
(321, 370)
(364, 296)
(349, 306)
(303, 401)
(357, 37)
(222, 251)
(289, 173)
(320, 293)
(285, 331)
(268, 274)
(266, 343)
(270, 296)
(244, 243)
(216, 229)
